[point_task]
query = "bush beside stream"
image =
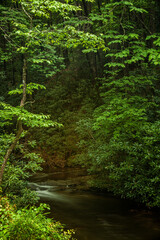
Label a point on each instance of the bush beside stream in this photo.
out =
(31, 223)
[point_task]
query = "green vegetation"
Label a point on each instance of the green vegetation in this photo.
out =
(79, 85)
(29, 224)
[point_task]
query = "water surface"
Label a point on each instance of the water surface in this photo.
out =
(95, 216)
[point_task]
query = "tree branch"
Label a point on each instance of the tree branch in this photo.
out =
(19, 123)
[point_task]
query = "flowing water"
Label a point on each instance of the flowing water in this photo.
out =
(94, 216)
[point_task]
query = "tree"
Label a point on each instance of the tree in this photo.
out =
(124, 153)
(25, 41)
(33, 37)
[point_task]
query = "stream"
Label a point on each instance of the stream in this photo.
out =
(94, 216)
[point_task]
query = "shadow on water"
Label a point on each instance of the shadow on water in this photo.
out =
(94, 216)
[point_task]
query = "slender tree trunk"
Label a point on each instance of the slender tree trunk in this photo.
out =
(4, 63)
(85, 8)
(19, 123)
(13, 73)
(89, 64)
(95, 65)
(99, 5)
(66, 57)
(24, 80)
(157, 15)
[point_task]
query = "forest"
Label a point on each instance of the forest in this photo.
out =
(79, 87)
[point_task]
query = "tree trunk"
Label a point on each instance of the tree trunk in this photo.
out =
(99, 6)
(13, 73)
(85, 8)
(19, 123)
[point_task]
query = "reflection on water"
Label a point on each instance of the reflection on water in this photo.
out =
(94, 216)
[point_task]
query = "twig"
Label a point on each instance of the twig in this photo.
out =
(144, 24)
(29, 102)
(27, 14)
(121, 22)
(7, 37)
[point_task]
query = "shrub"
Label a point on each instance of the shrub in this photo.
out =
(29, 224)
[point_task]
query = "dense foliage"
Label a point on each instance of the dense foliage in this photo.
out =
(109, 101)
(29, 223)
(99, 61)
